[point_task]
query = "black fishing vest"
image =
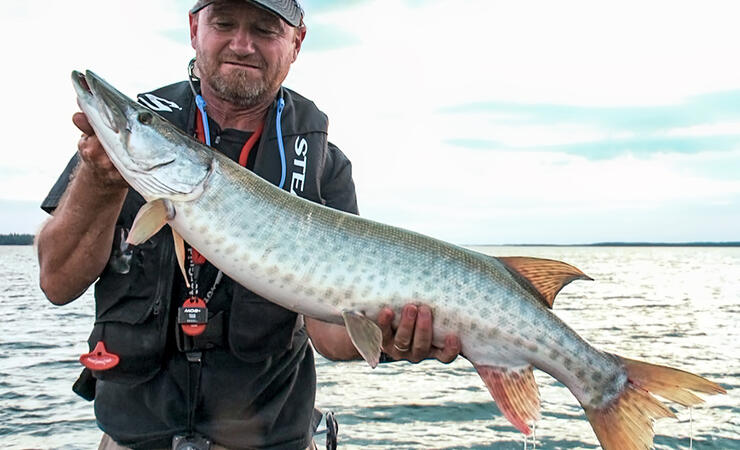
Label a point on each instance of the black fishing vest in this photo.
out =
(263, 370)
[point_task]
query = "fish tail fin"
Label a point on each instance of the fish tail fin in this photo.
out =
(627, 422)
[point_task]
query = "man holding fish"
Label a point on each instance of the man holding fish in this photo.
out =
(199, 360)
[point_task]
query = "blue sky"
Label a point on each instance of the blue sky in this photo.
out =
(475, 122)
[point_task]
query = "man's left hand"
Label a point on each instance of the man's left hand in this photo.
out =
(412, 340)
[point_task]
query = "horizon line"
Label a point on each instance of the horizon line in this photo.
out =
(593, 244)
(623, 244)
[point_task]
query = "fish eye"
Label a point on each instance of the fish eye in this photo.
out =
(145, 117)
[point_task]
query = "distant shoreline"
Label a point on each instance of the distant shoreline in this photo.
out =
(620, 244)
(27, 239)
(16, 239)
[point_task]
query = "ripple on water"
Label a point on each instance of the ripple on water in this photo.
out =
(670, 306)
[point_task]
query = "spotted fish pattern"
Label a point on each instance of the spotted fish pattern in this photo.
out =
(344, 269)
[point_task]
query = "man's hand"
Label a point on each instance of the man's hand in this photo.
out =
(94, 157)
(412, 340)
(75, 243)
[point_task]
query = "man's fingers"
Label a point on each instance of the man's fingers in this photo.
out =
(422, 341)
(93, 155)
(404, 334)
(413, 338)
(385, 322)
(81, 122)
(450, 351)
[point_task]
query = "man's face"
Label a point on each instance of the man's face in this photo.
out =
(242, 51)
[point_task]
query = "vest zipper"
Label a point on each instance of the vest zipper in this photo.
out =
(165, 279)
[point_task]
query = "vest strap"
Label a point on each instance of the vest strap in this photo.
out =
(214, 336)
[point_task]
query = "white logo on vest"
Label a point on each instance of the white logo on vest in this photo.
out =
(155, 103)
(301, 148)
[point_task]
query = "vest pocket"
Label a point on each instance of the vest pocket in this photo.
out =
(258, 328)
(140, 349)
(130, 317)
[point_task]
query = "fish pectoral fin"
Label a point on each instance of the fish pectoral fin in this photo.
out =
(515, 392)
(365, 335)
(546, 276)
(150, 219)
(180, 253)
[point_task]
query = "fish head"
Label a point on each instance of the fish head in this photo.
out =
(152, 155)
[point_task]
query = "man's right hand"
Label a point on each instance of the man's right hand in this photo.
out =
(94, 157)
(75, 243)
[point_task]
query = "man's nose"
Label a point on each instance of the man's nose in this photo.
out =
(242, 42)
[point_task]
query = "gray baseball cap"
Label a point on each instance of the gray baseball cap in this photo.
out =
(288, 10)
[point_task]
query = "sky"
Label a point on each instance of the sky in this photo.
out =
(476, 122)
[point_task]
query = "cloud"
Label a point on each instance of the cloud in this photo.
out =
(614, 146)
(121, 41)
(710, 129)
(323, 37)
(312, 7)
(510, 197)
(708, 122)
(692, 111)
(485, 122)
(579, 118)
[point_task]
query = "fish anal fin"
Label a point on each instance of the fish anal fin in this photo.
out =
(515, 392)
(149, 220)
(365, 335)
(626, 422)
(180, 253)
(546, 276)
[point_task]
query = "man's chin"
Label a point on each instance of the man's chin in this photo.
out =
(242, 80)
(240, 92)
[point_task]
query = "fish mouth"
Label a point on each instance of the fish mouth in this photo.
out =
(80, 84)
(95, 93)
(85, 96)
(142, 145)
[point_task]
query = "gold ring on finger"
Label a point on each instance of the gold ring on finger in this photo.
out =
(400, 349)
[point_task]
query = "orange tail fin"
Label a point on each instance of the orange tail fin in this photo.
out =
(627, 423)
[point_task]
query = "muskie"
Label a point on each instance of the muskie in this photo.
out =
(341, 268)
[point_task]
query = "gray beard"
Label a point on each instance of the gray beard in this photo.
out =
(237, 89)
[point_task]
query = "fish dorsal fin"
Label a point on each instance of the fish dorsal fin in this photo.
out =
(515, 392)
(150, 219)
(546, 276)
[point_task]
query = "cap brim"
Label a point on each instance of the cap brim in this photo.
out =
(288, 10)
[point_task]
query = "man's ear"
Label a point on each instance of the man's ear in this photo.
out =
(300, 35)
(193, 18)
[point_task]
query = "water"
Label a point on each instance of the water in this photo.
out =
(674, 306)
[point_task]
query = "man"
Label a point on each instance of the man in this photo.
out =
(246, 379)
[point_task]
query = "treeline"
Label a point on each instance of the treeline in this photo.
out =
(16, 239)
(667, 244)
(636, 244)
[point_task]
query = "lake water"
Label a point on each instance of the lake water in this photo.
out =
(678, 306)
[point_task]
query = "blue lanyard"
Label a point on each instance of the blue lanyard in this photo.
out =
(200, 103)
(281, 149)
